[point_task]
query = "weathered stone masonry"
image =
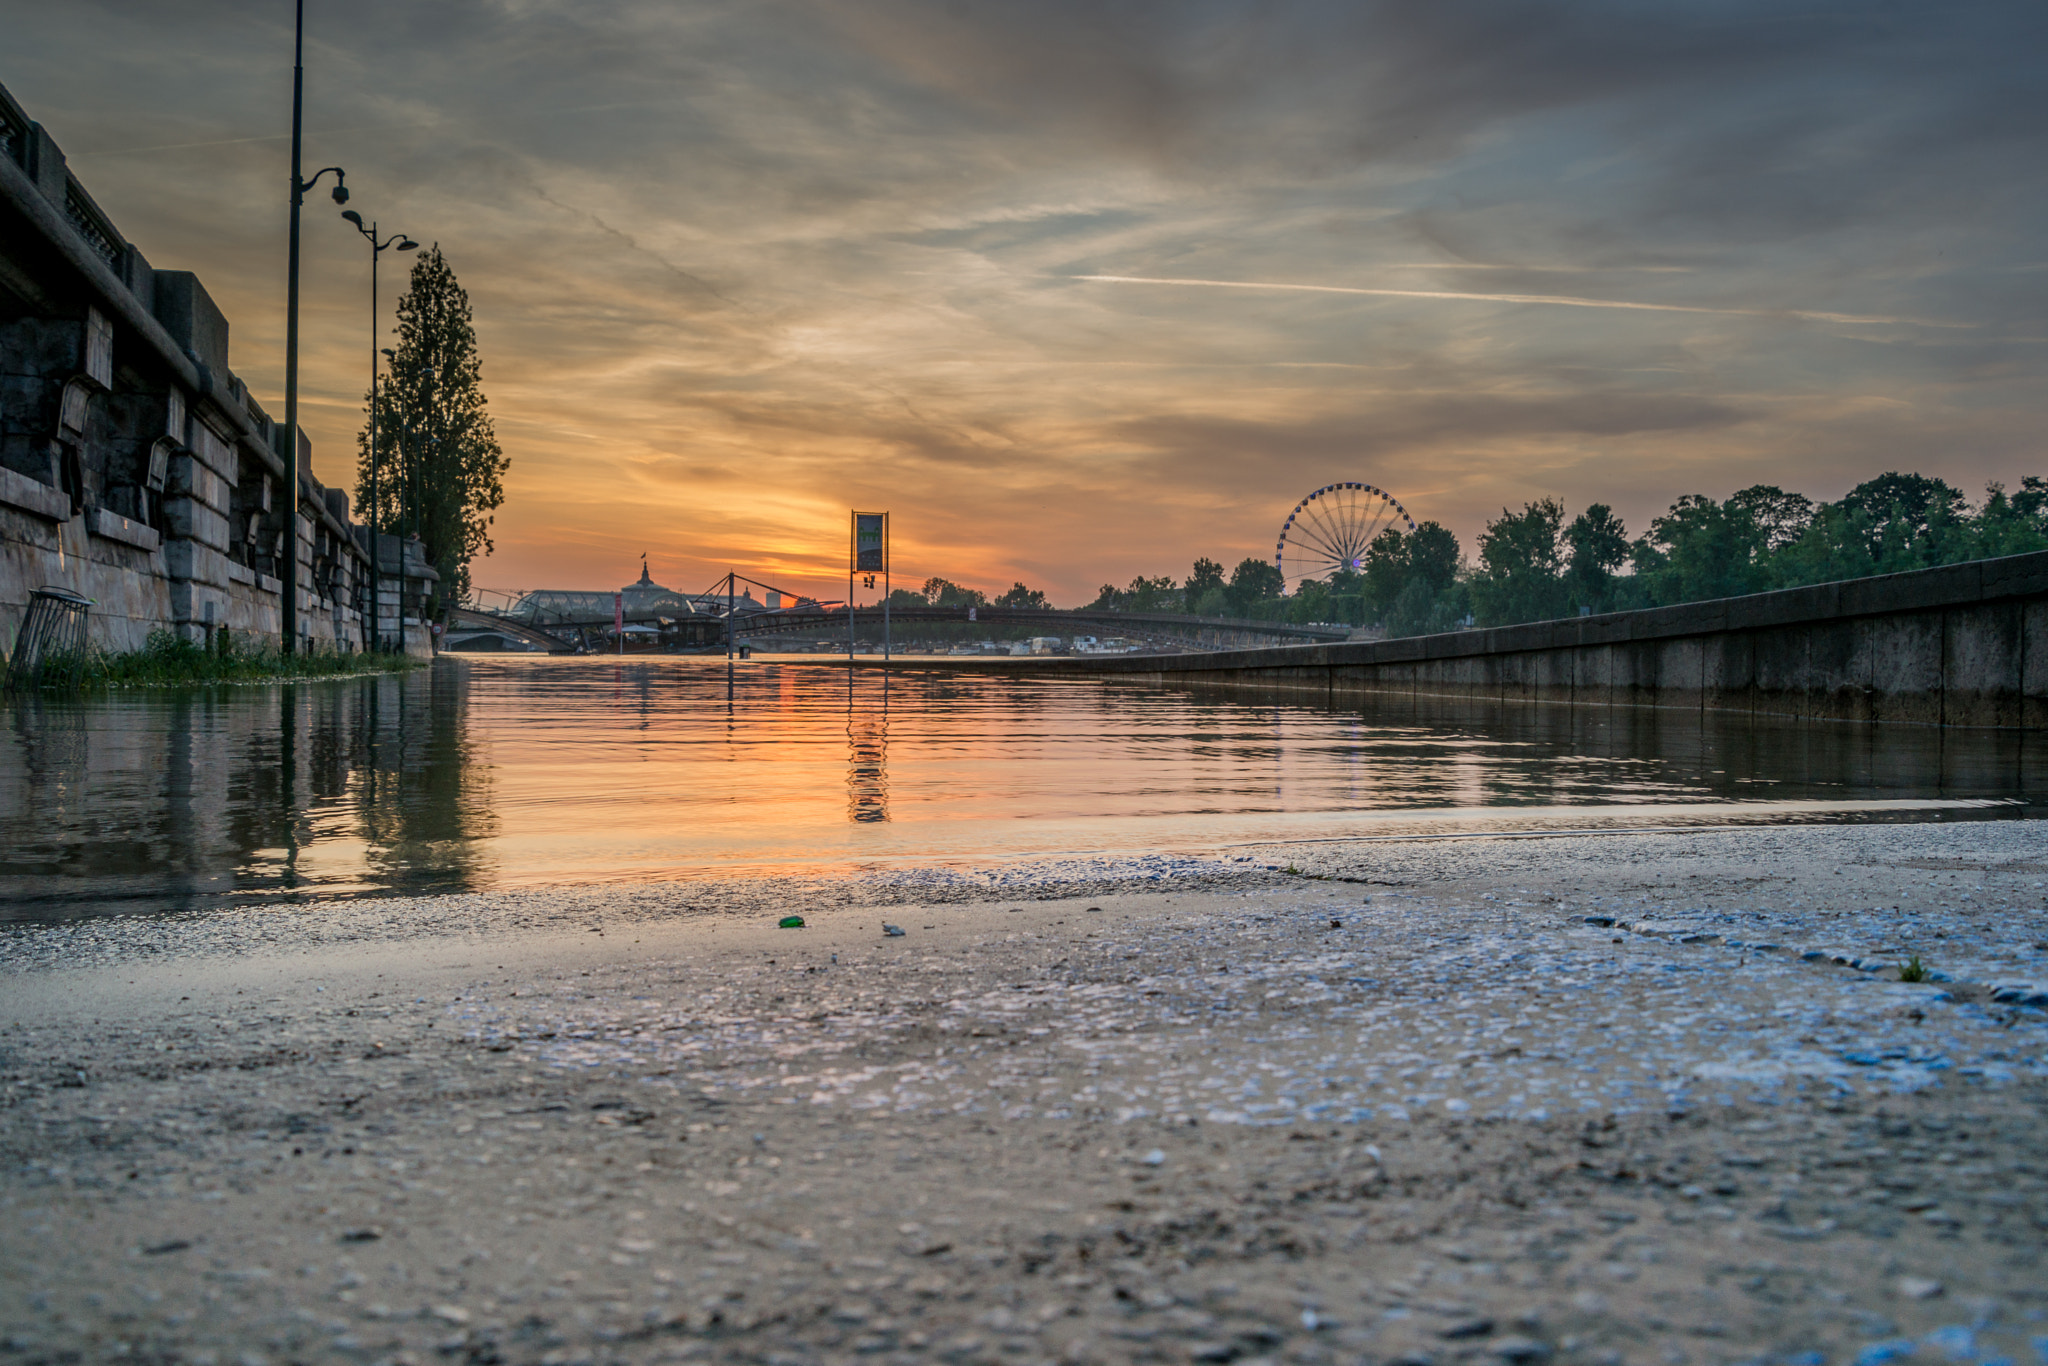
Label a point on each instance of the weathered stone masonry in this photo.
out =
(135, 468)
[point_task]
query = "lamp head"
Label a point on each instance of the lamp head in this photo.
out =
(389, 352)
(408, 245)
(352, 216)
(340, 192)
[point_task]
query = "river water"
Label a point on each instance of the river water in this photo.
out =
(519, 771)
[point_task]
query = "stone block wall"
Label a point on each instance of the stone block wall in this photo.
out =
(134, 467)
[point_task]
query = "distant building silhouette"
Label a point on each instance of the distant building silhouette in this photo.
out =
(642, 598)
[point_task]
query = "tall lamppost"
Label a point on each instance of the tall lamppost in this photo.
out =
(291, 337)
(377, 249)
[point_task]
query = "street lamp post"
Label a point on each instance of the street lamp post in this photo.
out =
(377, 249)
(291, 336)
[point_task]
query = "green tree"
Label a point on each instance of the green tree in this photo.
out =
(442, 470)
(1020, 596)
(1410, 581)
(1434, 599)
(1781, 517)
(1894, 523)
(1835, 545)
(1699, 549)
(1312, 600)
(1254, 584)
(945, 593)
(1203, 579)
(1386, 572)
(1597, 547)
(1904, 510)
(1520, 564)
(2014, 525)
(1151, 595)
(1434, 556)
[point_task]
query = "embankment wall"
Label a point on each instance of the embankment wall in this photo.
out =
(1963, 645)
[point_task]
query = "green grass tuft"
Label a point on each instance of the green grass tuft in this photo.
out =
(1913, 970)
(168, 661)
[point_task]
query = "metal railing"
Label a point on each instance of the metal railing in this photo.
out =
(52, 639)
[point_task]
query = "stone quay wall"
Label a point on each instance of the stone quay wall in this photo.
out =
(135, 468)
(1963, 645)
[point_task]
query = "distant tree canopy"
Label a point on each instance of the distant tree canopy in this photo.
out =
(945, 593)
(1759, 539)
(1020, 596)
(1144, 595)
(1533, 564)
(1410, 583)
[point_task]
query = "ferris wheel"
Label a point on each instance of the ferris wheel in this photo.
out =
(1329, 530)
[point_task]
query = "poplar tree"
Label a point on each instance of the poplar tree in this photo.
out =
(441, 472)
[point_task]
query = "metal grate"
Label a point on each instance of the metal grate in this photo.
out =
(52, 643)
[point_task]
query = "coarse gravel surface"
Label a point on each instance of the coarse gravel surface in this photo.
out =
(1630, 1096)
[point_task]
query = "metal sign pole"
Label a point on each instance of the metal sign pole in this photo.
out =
(852, 561)
(730, 594)
(870, 558)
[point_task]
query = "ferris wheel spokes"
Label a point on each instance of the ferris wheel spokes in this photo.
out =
(1331, 530)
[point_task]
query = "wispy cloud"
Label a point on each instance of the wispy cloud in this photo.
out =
(963, 259)
(1561, 300)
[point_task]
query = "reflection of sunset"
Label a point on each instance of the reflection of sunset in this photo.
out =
(526, 770)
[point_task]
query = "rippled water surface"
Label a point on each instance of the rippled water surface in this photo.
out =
(519, 771)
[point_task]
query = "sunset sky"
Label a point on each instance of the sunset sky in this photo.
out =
(1083, 290)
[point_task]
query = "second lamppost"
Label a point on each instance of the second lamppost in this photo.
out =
(377, 249)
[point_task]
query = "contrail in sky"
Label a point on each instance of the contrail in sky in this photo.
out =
(1564, 300)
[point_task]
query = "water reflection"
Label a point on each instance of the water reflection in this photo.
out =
(491, 773)
(867, 743)
(169, 799)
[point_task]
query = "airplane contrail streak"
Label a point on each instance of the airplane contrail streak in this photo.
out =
(1562, 300)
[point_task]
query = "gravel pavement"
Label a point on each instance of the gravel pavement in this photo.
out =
(1637, 1096)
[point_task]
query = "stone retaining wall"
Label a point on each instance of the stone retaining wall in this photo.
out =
(1963, 645)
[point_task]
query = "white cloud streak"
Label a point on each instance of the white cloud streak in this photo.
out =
(1561, 300)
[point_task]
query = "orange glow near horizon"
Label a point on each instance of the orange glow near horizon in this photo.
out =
(1087, 294)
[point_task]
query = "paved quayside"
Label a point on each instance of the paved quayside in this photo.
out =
(1617, 1097)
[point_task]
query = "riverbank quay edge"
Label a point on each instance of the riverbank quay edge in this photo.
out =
(1606, 1097)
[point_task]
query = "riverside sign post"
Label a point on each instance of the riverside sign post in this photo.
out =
(869, 557)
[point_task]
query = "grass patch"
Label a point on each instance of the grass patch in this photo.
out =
(1913, 970)
(168, 661)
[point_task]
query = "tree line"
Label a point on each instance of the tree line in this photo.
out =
(1535, 565)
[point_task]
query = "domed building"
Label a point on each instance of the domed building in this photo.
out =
(640, 599)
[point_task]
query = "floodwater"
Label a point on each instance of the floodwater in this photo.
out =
(519, 771)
